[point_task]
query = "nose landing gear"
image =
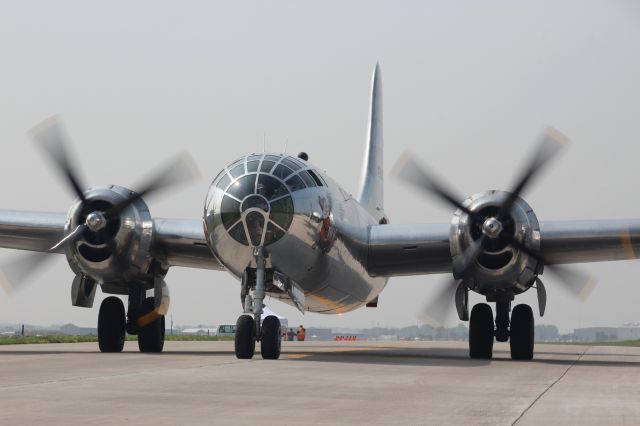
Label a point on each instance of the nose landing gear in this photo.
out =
(250, 327)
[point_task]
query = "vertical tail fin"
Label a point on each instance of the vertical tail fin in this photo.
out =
(371, 193)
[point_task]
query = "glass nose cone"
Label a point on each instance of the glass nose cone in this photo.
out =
(255, 226)
(255, 202)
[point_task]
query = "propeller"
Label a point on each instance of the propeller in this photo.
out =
(551, 142)
(51, 137)
(438, 309)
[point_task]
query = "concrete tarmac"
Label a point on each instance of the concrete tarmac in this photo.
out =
(326, 383)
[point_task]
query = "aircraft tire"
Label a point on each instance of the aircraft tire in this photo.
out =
(481, 332)
(151, 336)
(522, 333)
(111, 325)
(271, 340)
(245, 339)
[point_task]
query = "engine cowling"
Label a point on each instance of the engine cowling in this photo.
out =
(499, 266)
(121, 251)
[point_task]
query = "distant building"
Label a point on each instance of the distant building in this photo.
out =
(603, 334)
(629, 332)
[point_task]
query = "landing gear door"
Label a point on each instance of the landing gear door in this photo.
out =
(160, 296)
(291, 288)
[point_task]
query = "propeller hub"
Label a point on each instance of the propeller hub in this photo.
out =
(95, 221)
(492, 227)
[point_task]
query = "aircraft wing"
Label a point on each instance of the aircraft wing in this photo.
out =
(34, 231)
(425, 249)
(181, 242)
(176, 242)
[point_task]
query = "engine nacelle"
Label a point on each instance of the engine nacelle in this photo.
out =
(500, 266)
(121, 252)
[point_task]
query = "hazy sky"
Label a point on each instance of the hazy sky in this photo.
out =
(468, 85)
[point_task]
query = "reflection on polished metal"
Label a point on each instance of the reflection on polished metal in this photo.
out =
(128, 236)
(285, 205)
(492, 227)
(69, 237)
(290, 232)
(95, 221)
(259, 291)
(499, 266)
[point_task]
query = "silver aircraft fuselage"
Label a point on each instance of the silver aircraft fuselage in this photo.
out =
(313, 231)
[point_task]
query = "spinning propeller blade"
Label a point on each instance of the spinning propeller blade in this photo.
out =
(438, 309)
(575, 282)
(549, 145)
(180, 169)
(411, 171)
(51, 137)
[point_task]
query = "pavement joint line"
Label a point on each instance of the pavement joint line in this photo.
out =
(564, 373)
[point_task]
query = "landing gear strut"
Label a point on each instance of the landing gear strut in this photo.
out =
(502, 320)
(145, 315)
(250, 327)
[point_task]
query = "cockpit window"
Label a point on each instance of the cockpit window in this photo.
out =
(252, 166)
(306, 177)
(257, 206)
(229, 211)
(238, 161)
(238, 234)
(223, 182)
(255, 226)
(237, 171)
(282, 171)
(282, 212)
(270, 188)
(294, 165)
(273, 234)
(315, 177)
(243, 187)
(295, 183)
(267, 166)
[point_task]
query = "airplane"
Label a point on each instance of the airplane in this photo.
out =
(285, 229)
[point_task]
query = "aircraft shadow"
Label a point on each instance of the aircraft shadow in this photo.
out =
(394, 356)
(454, 357)
(125, 353)
(457, 357)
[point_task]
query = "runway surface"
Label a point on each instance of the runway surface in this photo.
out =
(380, 383)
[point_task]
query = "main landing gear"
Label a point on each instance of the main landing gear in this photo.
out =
(519, 331)
(250, 327)
(111, 325)
(151, 328)
(142, 319)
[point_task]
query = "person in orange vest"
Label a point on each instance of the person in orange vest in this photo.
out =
(301, 333)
